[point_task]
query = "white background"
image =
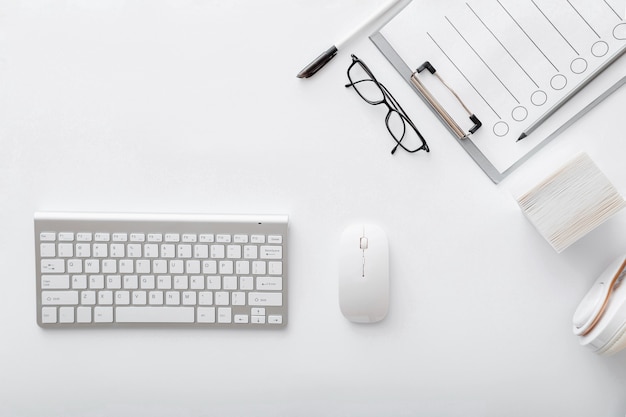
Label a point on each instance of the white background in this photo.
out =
(193, 106)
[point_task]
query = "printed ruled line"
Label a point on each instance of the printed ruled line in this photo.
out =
(583, 18)
(528, 36)
(483, 61)
(611, 7)
(463, 75)
(503, 47)
(555, 28)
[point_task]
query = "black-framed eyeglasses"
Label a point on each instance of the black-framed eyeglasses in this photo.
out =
(367, 86)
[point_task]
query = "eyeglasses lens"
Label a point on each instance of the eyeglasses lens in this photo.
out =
(400, 128)
(365, 86)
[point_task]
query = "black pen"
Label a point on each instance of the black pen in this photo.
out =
(327, 55)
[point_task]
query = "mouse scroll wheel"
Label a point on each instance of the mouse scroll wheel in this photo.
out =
(363, 243)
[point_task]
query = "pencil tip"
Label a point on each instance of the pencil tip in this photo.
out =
(522, 136)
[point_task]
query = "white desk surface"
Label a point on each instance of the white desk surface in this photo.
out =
(193, 106)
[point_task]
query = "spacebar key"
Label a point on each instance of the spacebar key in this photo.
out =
(154, 315)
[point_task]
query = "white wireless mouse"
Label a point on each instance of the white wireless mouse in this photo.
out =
(364, 273)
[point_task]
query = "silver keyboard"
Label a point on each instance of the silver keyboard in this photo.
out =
(105, 269)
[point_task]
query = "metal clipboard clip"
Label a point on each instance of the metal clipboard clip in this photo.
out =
(438, 108)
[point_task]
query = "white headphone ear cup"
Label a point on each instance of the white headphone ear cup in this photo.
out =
(616, 344)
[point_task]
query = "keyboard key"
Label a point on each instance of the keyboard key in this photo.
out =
(246, 283)
(275, 268)
(181, 282)
(257, 239)
(105, 297)
(66, 314)
(88, 297)
(137, 237)
(118, 250)
(240, 238)
(242, 318)
(151, 250)
(83, 250)
(48, 237)
(55, 282)
(102, 237)
(66, 250)
(224, 314)
(223, 238)
(155, 297)
(155, 314)
(172, 298)
(238, 298)
(271, 252)
(146, 282)
(209, 267)
(66, 237)
(275, 319)
(233, 252)
(134, 250)
(242, 267)
(59, 298)
(120, 237)
(269, 283)
(190, 238)
(207, 238)
(142, 266)
(53, 266)
(206, 314)
(258, 268)
(172, 237)
(205, 298)
(189, 298)
(114, 282)
(177, 267)
(230, 282)
(122, 297)
(83, 314)
(201, 251)
(250, 252)
(217, 251)
(74, 266)
(100, 250)
(131, 282)
(96, 281)
(168, 251)
(197, 282)
(155, 237)
(48, 314)
(139, 298)
(192, 267)
(184, 251)
(222, 298)
(84, 237)
(103, 314)
(226, 267)
(92, 266)
(164, 282)
(47, 250)
(79, 282)
(265, 299)
(275, 239)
